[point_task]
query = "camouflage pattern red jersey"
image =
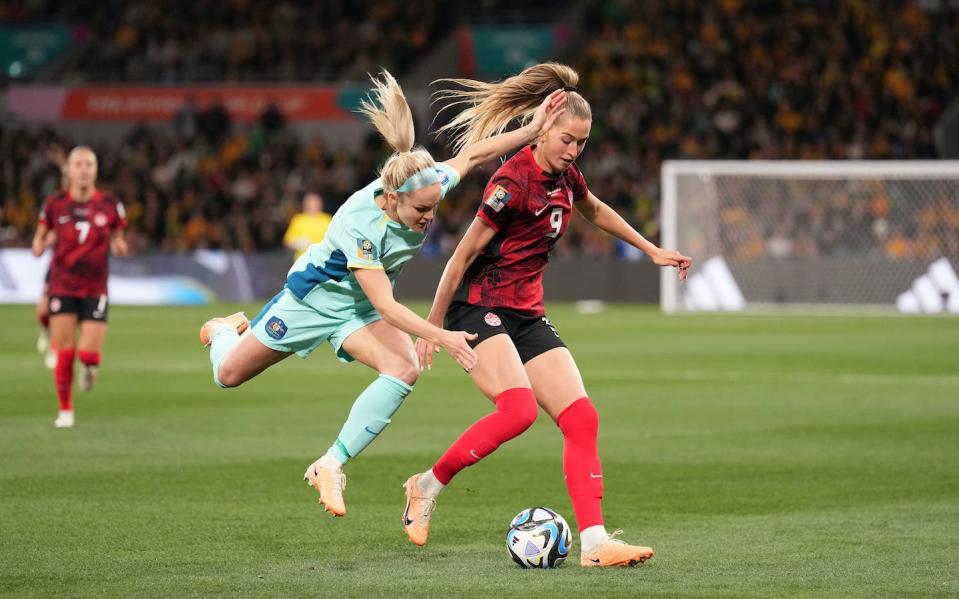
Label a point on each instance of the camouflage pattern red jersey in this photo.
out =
(530, 210)
(79, 266)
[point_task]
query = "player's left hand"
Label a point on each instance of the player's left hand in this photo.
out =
(673, 258)
(551, 109)
(424, 353)
(119, 247)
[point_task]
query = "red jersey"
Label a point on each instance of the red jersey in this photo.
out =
(79, 266)
(530, 210)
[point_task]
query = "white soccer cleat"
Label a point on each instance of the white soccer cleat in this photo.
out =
(43, 341)
(88, 376)
(50, 359)
(64, 419)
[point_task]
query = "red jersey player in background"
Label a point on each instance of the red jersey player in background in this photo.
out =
(88, 224)
(59, 158)
(492, 286)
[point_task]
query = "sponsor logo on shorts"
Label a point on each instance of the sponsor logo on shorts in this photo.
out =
(55, 304)
(276, 328)
(365, 250)
(498, 198)
(101, 308)
(551, 327)
(492, 319)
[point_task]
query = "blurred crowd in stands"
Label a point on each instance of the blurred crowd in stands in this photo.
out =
(177, 41)
(668, 79)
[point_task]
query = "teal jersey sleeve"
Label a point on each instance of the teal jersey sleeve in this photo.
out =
(449, 178)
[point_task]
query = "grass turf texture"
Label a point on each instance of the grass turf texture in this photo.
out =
(759, 456)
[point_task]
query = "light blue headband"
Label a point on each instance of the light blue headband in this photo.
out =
(420, 179)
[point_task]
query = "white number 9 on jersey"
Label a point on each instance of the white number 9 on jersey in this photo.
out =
(555, 221)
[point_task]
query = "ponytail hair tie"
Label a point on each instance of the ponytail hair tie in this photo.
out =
(569, 88)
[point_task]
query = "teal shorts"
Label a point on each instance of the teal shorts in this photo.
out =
(285, 324)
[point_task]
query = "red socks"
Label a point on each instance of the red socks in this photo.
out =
(584, 472)
(89, 358)
(63, 377)
(516, 411)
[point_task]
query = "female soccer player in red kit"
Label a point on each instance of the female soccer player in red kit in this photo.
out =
(87, 224)
(492, 286)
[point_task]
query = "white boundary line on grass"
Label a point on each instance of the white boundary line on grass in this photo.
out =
(742, 376)
(591, 375)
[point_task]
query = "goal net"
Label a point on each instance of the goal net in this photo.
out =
(813, 235)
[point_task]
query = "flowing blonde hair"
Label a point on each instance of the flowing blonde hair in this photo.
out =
(389, 112)
(492, 106)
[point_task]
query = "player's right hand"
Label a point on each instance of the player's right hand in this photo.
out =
(455, 344)
(552, 107)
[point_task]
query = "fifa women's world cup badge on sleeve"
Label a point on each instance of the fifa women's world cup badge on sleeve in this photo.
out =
(365, 250)
(498, 198)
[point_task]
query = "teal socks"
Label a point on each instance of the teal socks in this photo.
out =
(370, 414)
(223, 342)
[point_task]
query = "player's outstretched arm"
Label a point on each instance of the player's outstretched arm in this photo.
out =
(40, 242)
(476, 238)
(493, 147)
(376, 285)
(118, 243)
(597, 212)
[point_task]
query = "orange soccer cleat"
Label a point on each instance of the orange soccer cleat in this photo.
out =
(419, 508)
(237, 321)
(614, 552)
(329, 483)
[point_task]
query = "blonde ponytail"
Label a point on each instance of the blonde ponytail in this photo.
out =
(389, 112)
(492, 106)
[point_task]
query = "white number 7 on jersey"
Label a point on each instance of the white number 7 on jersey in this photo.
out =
(555, 221)
(84, 228)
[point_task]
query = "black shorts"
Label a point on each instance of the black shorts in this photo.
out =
(94, 307)
(532, 335)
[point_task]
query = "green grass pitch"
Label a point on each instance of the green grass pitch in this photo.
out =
(760, 456)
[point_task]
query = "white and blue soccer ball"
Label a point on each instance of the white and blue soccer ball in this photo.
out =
(538, 537)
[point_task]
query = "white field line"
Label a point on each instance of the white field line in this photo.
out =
(328, 367)
(744, 376)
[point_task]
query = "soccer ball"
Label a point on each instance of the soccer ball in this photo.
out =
(538, 537)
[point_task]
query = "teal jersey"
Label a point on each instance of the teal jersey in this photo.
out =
(361, 235)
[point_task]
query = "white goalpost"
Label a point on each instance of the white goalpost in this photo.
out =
(850, 236)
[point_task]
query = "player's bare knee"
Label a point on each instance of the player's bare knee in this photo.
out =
(407, 371)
